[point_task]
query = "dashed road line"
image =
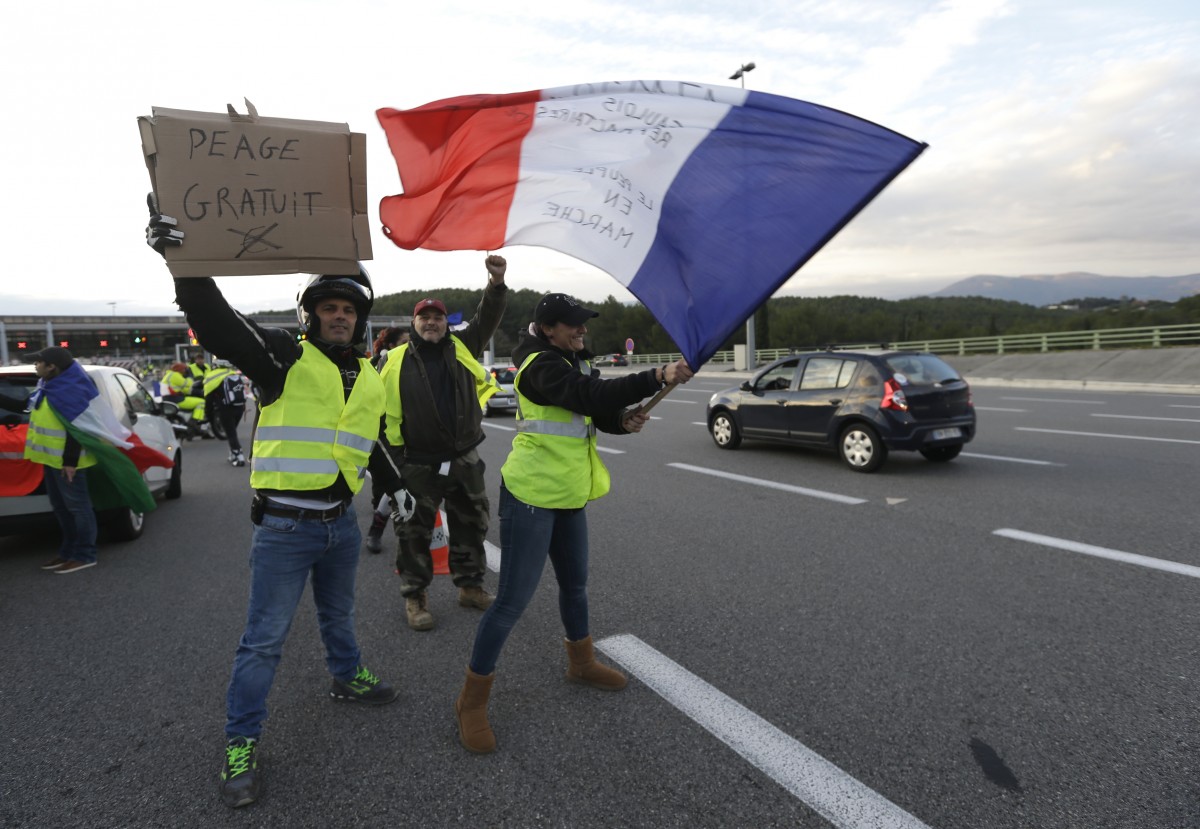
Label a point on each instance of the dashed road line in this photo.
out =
(1147, 417)
(745, 479)
(1101, 552)
(997, 409)
(1010, 460)
(1055, 400)
(825, 788)
(1104, 435)
(493, 556)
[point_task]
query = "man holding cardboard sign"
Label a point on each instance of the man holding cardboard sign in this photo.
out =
(315, 440)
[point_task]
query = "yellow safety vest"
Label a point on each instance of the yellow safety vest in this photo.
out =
(46, 439)
(213, 378)
(553, 463)
(485, 385)
(177, 383)
(309, 436)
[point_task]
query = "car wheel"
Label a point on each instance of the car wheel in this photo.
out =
(125, 524)
(941, 454)
(861, 448)
(175, 488)
(725, 432)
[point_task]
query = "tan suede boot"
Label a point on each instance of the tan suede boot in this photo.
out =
(474, 732)
(586, 670)
(417, 609)
(475, 597)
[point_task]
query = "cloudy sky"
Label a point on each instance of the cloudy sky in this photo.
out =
(1064, 134)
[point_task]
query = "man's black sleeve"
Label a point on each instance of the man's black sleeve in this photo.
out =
(551, 381)
(262, 354)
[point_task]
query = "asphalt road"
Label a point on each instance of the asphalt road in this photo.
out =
(972, 644)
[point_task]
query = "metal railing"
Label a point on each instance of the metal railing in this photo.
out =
(1155, 336)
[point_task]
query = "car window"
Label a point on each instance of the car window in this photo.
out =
(139, 401)
(16, 391)
(920, 369)
(827, 373)
(778, 378)
(505, 375)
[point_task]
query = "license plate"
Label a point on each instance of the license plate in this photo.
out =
(943, 434)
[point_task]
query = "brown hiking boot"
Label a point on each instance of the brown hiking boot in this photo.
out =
(586, 670)
(475, 597)
(474, 731)
(419, 617)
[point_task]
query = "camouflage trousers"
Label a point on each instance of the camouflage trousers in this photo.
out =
(463, 493)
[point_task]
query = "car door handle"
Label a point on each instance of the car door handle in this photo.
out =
(834, 401)
(781, 401)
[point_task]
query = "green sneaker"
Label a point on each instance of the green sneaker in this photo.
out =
(364, 687)
(239, 778)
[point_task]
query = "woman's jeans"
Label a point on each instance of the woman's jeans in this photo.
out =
(528, 535)
(283, 553)
(73, 508)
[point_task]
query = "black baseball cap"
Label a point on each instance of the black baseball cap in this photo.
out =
(562, 308)
(54, 355)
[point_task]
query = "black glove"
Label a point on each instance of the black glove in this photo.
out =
(160, 232)
(10, 420)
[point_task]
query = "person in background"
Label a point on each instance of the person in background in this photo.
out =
(436, 390)
(387, 339)
(550, 475)
(229, 401)
(321, 409)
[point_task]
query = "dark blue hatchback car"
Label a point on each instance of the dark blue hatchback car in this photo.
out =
(862, 403)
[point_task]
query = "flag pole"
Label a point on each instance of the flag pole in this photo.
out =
(645, 408)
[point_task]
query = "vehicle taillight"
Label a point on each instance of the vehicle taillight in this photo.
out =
(893, 397)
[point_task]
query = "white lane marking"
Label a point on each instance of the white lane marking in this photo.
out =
(994, 409)
(1054, 400)
(685, 402)
(799, 490)
(699, 423)
(498, 426)
(1010, 460)
(1102, 552)
(1102, 435)
(1146, 417)
(825, 788)
(493, 556)
(1181, 406)
(610, 451)
(691, 391)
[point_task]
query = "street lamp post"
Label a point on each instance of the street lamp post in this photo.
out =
(751, 362)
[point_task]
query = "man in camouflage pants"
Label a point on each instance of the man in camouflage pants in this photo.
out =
(433, 420)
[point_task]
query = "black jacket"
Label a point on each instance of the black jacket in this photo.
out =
(442, 416)
(551, 380)
(265, 355)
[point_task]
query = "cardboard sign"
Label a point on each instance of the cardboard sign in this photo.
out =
(259, 195)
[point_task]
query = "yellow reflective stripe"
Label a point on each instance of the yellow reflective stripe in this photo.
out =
(297, 465)
(42, 430)
(313, 434)
(310, 434)
(577, 428)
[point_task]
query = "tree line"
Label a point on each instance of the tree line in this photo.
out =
(797, 322)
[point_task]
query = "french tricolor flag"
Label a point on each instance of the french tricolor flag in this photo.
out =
(701, 200)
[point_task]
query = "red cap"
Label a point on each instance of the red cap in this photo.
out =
(429, 303)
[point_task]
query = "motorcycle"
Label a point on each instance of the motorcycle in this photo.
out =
(188, 428)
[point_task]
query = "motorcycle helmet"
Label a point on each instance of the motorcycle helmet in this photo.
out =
(356, 288)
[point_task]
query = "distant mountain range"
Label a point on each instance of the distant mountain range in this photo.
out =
(1050, 289)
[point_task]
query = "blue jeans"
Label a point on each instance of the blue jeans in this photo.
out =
(284, 551)
(528, 536)
(73, 509)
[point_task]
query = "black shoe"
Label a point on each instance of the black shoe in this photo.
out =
(365, 687)
(239, 778)
(375, 534)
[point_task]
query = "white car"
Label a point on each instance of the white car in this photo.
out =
(133, 406)
(504, 400)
